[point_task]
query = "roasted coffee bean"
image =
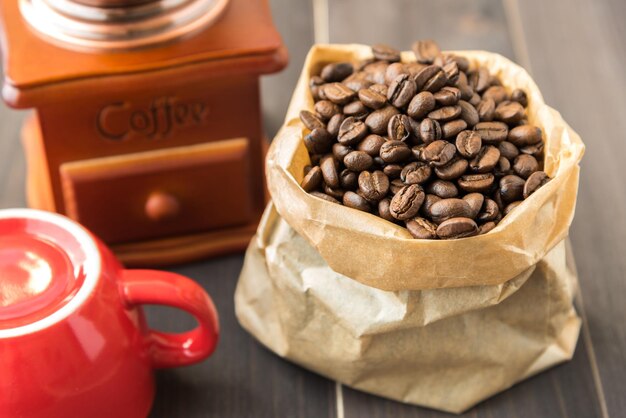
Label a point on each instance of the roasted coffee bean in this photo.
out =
(450, 208)
(463, 85)
(393, 171)
(524, 135)
(511, 188)
(315, 158)
(468, 143)
(496, 93)
(509, 112)
(451, 70)
(336, 71)
(475, 202)
(336, 193)
(371, 144)
(492, 133)
(436, 82)
(486, 159)
(417, 150)
(535, 150)
(524, 165)
(438, 153)
(310, 120)
(421, 228)
(383, 210)
(511, 206)
(508, 150)
(502, 168)
(447, 96)
(356, 109)
(372, 99)
(328, 166)
(318, 141)
(338, 93)
(375, 72)
(486, 110)
(399, 128)
(312, 180)
(421, 104)
(426, 51)
(452, 128)
(413, 68)
(415, 173)
(479, 79)
(315, 85)
(486, 227)
(385, 53)
(378, 120)
(373, 186)
(429, 200)
(461, 62)
(443, 189)
(430, 130)
(469, 113)
(379, 162)
(355, 201)
(348, 179)
(395, 152)
(520, 97)
(474, 100)
(476, 182)
(307, 168)
(406, 202)
(340, 151)
(445, 113)
(351, 131)
(358, 81)
(334, 124)
(456, 228)
(424, 75)
(534, 182)
(394, 70)
(358, 161)
(325, 109)
(395, 186)
(324, 196)
(489, 211)
(453, 170)
(380, 88)
(415, 130)
(401, 90)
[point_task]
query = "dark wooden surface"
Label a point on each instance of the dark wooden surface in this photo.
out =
(576, 52)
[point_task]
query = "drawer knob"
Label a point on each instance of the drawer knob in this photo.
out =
(161, 206)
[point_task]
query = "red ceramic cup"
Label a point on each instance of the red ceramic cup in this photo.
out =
(73, 338)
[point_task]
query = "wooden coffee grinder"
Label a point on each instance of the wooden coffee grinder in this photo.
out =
(147, 123)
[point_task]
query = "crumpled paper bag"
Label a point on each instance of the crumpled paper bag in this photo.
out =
(443, 324)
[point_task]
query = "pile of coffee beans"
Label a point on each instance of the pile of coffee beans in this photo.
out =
(436, 145)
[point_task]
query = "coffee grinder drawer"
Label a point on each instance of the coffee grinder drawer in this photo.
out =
(161, 193)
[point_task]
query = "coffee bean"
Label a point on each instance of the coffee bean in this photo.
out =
(486, 227)
(508, 150)
(348, 179)
(445, 113)
(502, 168)
(383, 210)
(318, 141)
(479, 79)
(438, 153)
(443, 189)
(489, 211)
(336, 71)
(324, 196)
(358, 81)
(406, 202)
(468, 143)
(511, 206)
(373, 186)
(511, 188)
(492, 133)
(426, 51)
(310, 120)
(417, 150)
(415, 173)
(356, 109)
(315, 86)
(445, 209)
(395, 152)
(375, 72)
(509, 112)
(385, 53)
(325, 109)
(524, 135)
(393, 171)
(451, 70)
(535, 150)
(421, 104)
(463, 85)
(456, 228)
(476, 182)
(351, 131)
(429, 200)
(371, 144)
(486, 159)
(452, 128)
(496, 93)
(399, 128)
(340, 151)
(336, 193)
(329, 171)
(395, 186)
(378, 120)
(421, 228)
(338, 93)
(520, 97)
(372, 99)
(453, 170)
(436, 82)
(358, 161)
(447, 96)
(461, 62)
(334, 124)
(469, 113)
(401, 90)
(430, 130)
(534, 182)
(355, 201)
(486, 110)
(475, 202)
(312, 180)
(380, 88)
(394, 70)
(524, 165)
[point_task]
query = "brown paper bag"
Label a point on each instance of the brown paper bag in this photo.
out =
(442, 324)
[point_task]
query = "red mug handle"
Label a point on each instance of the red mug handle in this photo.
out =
(163, 288)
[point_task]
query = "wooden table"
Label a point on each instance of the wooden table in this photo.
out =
(576, 52)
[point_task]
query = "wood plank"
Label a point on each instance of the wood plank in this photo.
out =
(578, 57)
(567, 390)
